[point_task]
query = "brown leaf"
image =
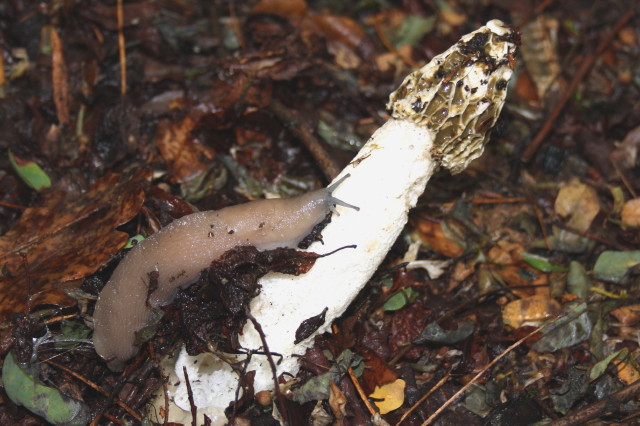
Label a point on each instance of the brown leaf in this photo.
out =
(185, 157)
(286, 8)
(338, 403)
(631, 213)
(578, 202)
(66, 237)
(60, 78)
(431, 233)
(530, 311)
(377, 372)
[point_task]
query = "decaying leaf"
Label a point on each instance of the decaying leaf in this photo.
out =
(66, 237)
(435, 334)
(567, 331)
(185, 158)
(578, 203)
(390, 396)
(529, 310)
(317, 388)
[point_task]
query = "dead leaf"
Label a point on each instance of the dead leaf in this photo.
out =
(627, 314)
(431, 233)
(578, 202)
(186, 158)
(376, 372)
(66, 237)
(627, 370)
(60, 78)
(286, 8)
(530, 311)
(625, 154)
(390, 396)
(338, 403)
(630, 214)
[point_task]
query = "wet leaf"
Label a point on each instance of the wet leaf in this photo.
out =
(309, 326)
(572, 388)
(389, 397)
(613, 265)
(47, 402)
(600, 367)
(317, 388)
(433, 333)
(400, 299)
(66, 237)
(566, 332)
(30, 172)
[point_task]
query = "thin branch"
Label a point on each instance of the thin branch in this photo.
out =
(437, 386)
(491, 364)
(121, 49)
(299, 127)
(360, 391)
(272, 364)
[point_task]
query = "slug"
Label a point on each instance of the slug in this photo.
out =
(152, 272)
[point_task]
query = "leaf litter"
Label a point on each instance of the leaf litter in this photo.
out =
(208, 117)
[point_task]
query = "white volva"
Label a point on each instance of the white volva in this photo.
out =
(441, 116)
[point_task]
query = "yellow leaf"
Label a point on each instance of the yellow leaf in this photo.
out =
(389, 396)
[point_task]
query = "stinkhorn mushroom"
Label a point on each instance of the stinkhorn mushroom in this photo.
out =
(440, 116)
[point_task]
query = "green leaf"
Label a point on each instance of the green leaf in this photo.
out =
(541, 263)
(600, 367)
(400, 299)
(72, 330)
(613, 265)
(30, 172)
(49, 403)
(136, 238)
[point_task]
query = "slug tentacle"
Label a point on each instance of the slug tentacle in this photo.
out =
(333, 201)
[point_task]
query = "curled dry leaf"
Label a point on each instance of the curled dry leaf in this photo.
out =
(66, 237)
(579, 203)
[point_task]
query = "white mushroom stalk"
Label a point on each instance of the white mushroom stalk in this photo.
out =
(441, 115)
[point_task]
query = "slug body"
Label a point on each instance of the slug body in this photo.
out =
(152, 272)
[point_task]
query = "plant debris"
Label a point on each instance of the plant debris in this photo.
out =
(116, 119)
